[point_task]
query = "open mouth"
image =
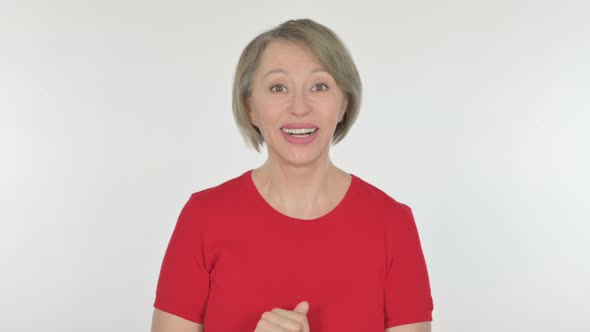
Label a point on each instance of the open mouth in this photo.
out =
(300, 132)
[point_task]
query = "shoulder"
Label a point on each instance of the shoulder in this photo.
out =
(215, 199)
(379, 200)
(396, 218)
(378, 196)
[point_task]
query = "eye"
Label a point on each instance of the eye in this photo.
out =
(278, 88)
(322, 87)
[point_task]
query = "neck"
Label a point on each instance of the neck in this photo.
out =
(300, 189)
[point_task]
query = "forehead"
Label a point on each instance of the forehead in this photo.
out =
(283, 54)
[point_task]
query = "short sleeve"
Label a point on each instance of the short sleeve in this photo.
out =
(407, 286)
(183, 284)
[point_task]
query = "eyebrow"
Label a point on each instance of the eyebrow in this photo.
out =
(285, 72)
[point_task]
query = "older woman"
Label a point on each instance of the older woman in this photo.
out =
(296, 244)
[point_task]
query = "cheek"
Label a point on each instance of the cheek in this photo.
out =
(264, 115)
(259, 106)
(269, 109)
(330, 107)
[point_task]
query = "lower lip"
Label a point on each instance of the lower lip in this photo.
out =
(300, 140)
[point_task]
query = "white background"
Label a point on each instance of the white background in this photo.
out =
(475, 113)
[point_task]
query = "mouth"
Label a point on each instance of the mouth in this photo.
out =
(299, 132)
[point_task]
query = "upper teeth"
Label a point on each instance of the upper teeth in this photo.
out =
(299, 131)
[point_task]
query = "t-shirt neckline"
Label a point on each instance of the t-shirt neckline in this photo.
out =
(270, 210)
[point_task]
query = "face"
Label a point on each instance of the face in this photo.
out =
(293, 95)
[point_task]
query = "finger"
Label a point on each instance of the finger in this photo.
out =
(265, 326)
(281, 321)
(302, 307)
(298, 316)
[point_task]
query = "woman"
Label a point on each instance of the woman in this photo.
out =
(296, 244)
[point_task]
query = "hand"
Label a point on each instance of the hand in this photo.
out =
(281, 320)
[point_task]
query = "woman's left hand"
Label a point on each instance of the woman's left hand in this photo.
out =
(281, 320)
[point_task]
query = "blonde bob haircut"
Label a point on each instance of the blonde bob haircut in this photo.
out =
(329, 50)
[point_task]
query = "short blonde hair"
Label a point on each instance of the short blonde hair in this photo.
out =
(329, 50)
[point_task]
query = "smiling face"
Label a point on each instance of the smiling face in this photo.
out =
(291, 89)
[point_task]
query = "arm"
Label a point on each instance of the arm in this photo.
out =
(415, 327)
(408, 299)
(166, 322)
(183, 283)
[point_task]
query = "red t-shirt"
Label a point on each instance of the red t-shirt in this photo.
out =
(232, 256)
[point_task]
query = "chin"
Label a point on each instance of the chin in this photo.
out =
(307, 157)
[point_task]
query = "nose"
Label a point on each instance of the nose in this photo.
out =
(299, 106)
